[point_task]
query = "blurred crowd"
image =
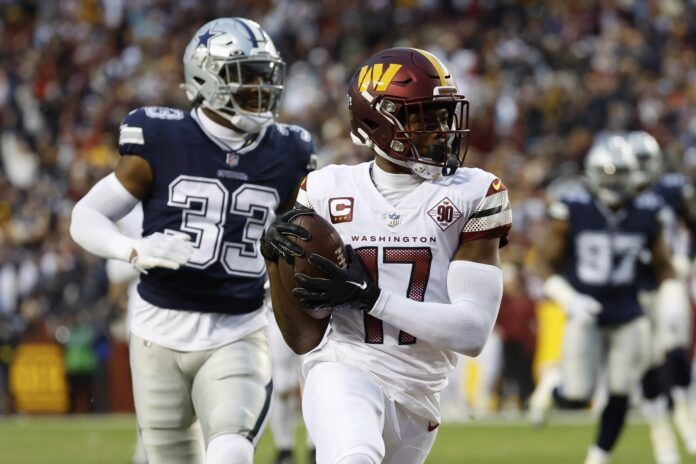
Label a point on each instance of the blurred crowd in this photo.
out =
(542, 77)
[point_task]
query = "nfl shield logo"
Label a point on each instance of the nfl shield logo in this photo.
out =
(393, 219)
(232, 160)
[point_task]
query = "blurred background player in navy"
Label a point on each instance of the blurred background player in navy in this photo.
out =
(591, 268)
(669, 374)
(210, 180)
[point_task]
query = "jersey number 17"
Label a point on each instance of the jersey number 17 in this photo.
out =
(420, 259)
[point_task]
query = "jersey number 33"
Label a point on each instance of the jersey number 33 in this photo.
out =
(205, 203)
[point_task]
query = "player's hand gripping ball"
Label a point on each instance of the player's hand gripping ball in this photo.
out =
(323, 240)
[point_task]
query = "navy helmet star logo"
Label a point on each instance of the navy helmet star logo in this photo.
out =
(204, 38)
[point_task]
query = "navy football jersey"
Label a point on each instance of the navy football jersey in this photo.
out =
(603, 249)
(224, 199)
(674, 189)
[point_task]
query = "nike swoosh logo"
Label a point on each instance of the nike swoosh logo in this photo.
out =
(361, 286)
(496, 184)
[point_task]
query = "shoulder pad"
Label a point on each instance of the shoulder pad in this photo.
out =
(328, 172)
(673, 179)
(649, 200)
(301, 141)
(162, 112)
(493, 215)
(141, 125)
(466, 175)
(576, 195)
(131, 133)
(559, 210)
(291, 130)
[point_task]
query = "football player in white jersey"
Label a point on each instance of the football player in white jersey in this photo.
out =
(210, 180)
(423, 279)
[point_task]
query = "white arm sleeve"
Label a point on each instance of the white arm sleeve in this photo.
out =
(475, 291)
(672, 301)
(93, 219)
(558, 289)
(119, 272)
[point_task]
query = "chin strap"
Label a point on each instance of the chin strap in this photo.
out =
(451, 165)
(438, 152)
(245, 123)
(251, 124)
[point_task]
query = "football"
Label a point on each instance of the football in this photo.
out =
(325, 241)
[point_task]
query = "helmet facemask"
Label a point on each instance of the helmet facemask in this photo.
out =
(614, 184)
(431, 134)
(248, 91)
(648, 155)
(649, 169)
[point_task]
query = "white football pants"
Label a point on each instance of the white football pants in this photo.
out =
(285, 364)
(674, 324)
(227, 388)
(347, 414)
(623, 349)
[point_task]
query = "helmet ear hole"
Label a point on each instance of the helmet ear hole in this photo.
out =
(370, 123)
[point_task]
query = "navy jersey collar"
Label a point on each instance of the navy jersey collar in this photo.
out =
(225, 147)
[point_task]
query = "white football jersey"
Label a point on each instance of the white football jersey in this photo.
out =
(407, 251)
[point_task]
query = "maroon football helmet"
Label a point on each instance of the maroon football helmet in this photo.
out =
(404, 105)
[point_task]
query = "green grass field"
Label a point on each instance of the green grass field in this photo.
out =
(109, 440)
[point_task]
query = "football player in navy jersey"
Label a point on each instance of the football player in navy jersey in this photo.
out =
(210, 180)
(670, 370)
(590, 266)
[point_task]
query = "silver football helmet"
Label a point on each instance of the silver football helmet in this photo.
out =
(232, 68)
(649, 157)
(610, 170)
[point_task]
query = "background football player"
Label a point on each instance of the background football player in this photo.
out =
(209, 180)
(423, 279)
(670, 370)
(590, 262)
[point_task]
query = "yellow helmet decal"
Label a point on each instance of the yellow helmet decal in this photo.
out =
(374, 74)
(437, 64)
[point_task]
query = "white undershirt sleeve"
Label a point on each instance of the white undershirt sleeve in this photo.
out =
(475, 291)
(92, 225)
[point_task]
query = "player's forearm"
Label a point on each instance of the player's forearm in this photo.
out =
(120, 272)
(662, 260)
(92, 224)
(475, 292)
(552, 249)
(301, 332)
(672, 295)
(97, 234)
(557, 288)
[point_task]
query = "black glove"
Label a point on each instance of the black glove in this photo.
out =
(351, 285)
(275, 243)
